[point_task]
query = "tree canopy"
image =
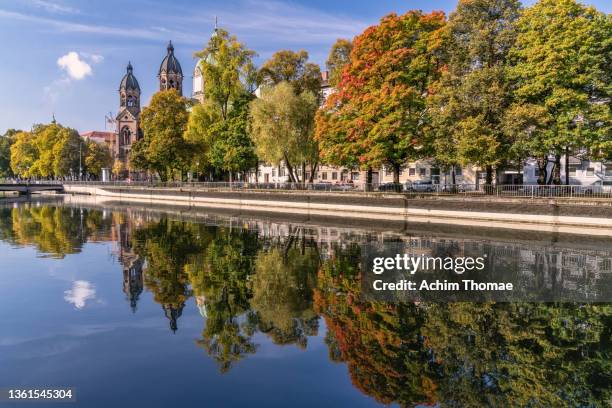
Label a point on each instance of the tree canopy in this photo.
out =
(294, 68)
(339, 57)
(282, 126)
(217, 128)
(561, 77)
(376, 117)
(163, 148)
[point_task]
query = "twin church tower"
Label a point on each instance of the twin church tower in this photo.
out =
(170, 76)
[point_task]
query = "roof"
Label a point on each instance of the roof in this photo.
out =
(170, 64)
(98, 134)
(129, 80)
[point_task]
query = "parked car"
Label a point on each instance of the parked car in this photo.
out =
(421, 186)
(398, 188)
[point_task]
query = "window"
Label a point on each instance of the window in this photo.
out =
(273, 172)
(308, 175)
(334, 175)
(355, 176)
(590, 171)
(324, 176)
(458, 171)
(281, 172)
(536, 172)
(422, 172)
(412, 171)
(572, 169)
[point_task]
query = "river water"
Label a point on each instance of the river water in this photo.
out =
(170, 307)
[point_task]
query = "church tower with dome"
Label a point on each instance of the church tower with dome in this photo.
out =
(128, 118)
(170, 73)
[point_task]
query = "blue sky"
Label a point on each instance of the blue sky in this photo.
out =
(68, 56)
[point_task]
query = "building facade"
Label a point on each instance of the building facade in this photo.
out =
(128, 117)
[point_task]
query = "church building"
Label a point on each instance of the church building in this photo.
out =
(127, 121)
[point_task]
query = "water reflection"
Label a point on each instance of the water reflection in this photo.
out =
(280, 280)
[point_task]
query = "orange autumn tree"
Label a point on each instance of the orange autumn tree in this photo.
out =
(377, 114)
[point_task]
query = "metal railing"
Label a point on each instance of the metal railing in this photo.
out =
(410, 189)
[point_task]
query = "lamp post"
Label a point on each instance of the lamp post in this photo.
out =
(80, 166)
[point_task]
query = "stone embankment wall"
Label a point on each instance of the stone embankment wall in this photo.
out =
(515, 213)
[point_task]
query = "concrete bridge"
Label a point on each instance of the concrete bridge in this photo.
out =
(29, 188)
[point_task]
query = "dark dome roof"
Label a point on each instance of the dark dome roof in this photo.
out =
(129, 80)
(170, 64)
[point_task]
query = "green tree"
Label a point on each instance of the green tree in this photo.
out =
(45, 139)
(294, 68)
(234, 151)
(469, 102)
(68, 152)
(5, 152)
(561, 65)
(282, 126)
(119, 167)
(218, 127)
(339, 57)
(98, 156)
(163, 123)
(47, 151)
(376, 117)
(23, 154)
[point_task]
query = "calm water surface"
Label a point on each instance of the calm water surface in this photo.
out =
(135, 307)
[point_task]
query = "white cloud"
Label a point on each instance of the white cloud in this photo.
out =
(55, 89)
(80, 293)
(67, 26)
(93, 58)
(74, 65)
(96, 59)
(52, 7)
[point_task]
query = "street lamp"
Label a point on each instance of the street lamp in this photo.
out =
(80, 165)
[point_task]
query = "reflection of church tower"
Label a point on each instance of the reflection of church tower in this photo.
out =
(128, 118)
(170, 72)
(132, 282)
(173, 313)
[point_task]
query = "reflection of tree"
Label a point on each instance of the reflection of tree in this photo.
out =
(385, 355)
(465, 354)
(282, 294)
(166, 247)
(521, 354)
(57, 231)
(219, 279)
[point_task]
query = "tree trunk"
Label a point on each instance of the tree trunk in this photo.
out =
(542, 164)
(368, 184)
(557, 170)
(489, 175)
(303, 172)
(567, 177)
(313, 170)
(289, 168)
(396, 173)
(489, 179)
(454, 175)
